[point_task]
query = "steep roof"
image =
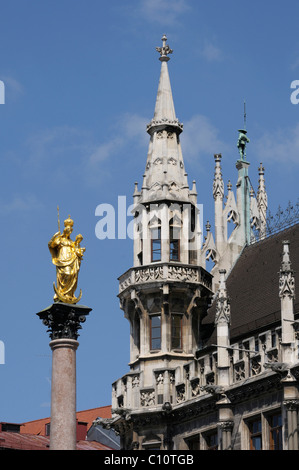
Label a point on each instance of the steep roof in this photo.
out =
(253, 286)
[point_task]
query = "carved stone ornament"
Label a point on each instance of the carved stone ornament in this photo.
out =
(218, 185)
(286, 285)
(222, 310)
(148, 274)
(64, 320)
(147, 398)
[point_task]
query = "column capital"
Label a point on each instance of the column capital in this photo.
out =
(291, 405)
(64, 320)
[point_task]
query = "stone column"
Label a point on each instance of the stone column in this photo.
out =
(291, 407)
(64, 321)
(63, 394)
(226, 435)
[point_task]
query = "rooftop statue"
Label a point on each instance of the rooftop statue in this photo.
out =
(66, 256)
(242, 141)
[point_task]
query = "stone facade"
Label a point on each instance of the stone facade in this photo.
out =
(213, 355)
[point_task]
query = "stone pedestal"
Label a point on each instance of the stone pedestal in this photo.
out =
(64, 321)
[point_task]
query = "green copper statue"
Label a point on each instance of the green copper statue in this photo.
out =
(242, 141)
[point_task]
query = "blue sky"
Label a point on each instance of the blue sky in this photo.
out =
(80, 86)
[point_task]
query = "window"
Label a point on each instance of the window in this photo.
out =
(273, 338)
(193, 443)
(174, 243)
(155, 332)
(176, 332)
(255, 430)
(275, 424)
(156, 243)
(47, 429)
(140, 254)
(212, 441)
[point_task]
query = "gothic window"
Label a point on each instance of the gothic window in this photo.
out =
(255, 434)
(156, 243)
(174, 235)
(176, 332)
(155, 332)
(140, 254)
(137, 331)
(273, 338)
(275, 424)
(193, 443)
(211, 441)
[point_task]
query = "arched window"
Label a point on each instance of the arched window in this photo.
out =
(176, 332)
(155, 329)
(174, 239)
(156, 240)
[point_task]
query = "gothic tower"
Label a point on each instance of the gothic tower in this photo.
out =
(165, 294)
(213, 356)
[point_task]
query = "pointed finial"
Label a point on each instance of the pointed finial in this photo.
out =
(261, 169)
(286, 262)
(164, 50)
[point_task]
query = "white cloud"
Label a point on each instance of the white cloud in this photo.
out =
(280, 146)
(200, 137)
(211, 52)
(13, 88)
(104, 151)
(128, 129)
(19, 204)
(57, 142)
(166, 12)
(64, 151)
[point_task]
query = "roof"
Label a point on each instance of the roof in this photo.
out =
(17, 441)
(253, 286)
(38, 427)
(105, 435)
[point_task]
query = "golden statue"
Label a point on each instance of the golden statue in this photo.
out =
(66, 255)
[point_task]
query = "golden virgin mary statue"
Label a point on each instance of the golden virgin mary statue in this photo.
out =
(66, 256)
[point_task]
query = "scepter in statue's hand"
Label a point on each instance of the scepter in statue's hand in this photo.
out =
(58, 219)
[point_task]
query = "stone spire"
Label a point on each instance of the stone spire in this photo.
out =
(222, 322)
(165, 176)
(262, 202)
(287, 296)
(218, 194)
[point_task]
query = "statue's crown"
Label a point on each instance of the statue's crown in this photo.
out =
(68, 222)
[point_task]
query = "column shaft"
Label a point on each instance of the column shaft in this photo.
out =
(63, 394)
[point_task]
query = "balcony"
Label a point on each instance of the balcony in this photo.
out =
(164, 273)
